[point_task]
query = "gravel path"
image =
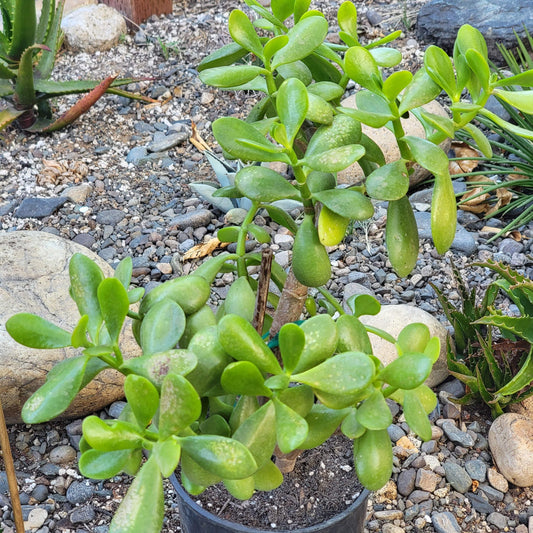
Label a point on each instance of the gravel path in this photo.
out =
(118, 183)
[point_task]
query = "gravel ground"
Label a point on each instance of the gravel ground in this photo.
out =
(110, 183)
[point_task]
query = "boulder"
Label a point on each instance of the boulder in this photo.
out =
(524, 408)
(386, 140)
(392, 319)
(511, 444)
(93, 28)
(34, 278)
(439, 20)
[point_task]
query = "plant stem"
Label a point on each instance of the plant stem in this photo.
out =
(262, 290)
(331, 299)
(10, 473)
(291, 303)
(241, 242)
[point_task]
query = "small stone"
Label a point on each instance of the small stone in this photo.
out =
(40, 493)
(427, 480)
(39, 207)
(498, 520)
(419, 496)
(457, 477)
(36, 518)
(78, 193)
(63, 455)
(80, 492)
(387, 493)
(110, 217)
(193, 219)
(497, 480)
(85, 239)
(476, 469)
(456, 435)
(445, 523)
(164, 268)
(136, 155)
(392, 514)
(406, 481)
(480, 503)
(166, 142)
(116, 408)
(492, 494)
(83, 514)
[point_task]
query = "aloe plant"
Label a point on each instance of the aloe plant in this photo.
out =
(28, 47)
(498, 372)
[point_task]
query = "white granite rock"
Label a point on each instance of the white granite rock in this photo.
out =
(511, 444)
(392, 319)
(34, 278)
(92, 28)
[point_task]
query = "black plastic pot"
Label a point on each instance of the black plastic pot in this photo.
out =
(195, 519)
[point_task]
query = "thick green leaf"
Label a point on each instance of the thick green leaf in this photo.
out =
(229, 233)
(413, 338)
(291, 345)
(374, 413)
(114, 305)
(292, 105)
(420, 91)
(507, 126)
(195, 474)
(264, 185)
(179, 406)
(300, 7)
(389, 182)
(260, 234)
(230, 76)
(268, 477)
(85, 276)
(524, 79)
(291, 428)
(352, 335)
(372, 118)
(364, 304)
(322, 423)
(415, 415)
(142, 397)
(243, 33)
(306, 35)
(351, 426)
(440, 123)
(335, 159)
(242, 489)
(362, 68)
(245, 407)
(142, 509)
(522, 100)
(396, 83)
(79, 335)
(470, 37)
(299, 398)
(96, 464)
(167, 454)
(298, 70)
(273, 45)
(123, 271)
(229, 131)
(320, 341)
(240, 299)
(407, 372)
(479, 137)
(162, 327)
(319, 110)
(480, 67)
(240, 340)
(243, 377)
(347, 19)
(439, 67)
(282, 9)
(386, 57)
(60, 388)
(36, 332)
(258, 433)
(156, 366)
(224, 457)
(226, 55)
(343, 131)
(107, 437)
(347, 203)
(373, 458)
(326, 90)
(428, 155)
(344, 373)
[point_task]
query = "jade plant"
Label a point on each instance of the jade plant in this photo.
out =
(492, 353)
(220, 392)
(28, 48)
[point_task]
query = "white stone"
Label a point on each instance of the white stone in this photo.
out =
(34, 278)
(92, 28)
(392, 319)
(386, 140)
(78, 193)
(511, 444)
(525, 407)
(36, 518)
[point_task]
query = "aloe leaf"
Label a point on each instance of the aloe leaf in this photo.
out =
(9, 115)
(521, 326)
(52, 39)
(24, 25)
(25, 96)
(80, 107)
(6, 73)
(142, 509)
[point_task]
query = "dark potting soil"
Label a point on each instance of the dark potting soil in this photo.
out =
(322, 484)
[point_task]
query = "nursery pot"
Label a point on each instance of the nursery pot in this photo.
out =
(195, 519)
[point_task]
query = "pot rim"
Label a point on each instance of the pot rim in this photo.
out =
(240, 528)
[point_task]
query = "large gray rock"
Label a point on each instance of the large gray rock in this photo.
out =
(92, 28)
(392, 319)
(34, 278)
(439, 20)
(511, 444)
